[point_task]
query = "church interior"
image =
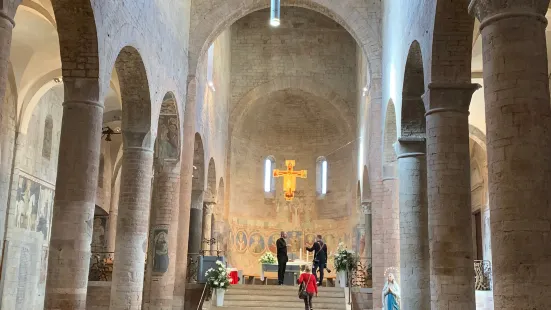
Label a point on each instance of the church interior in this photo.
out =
(142, 139)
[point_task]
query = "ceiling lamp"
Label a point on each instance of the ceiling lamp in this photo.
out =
(275, 13)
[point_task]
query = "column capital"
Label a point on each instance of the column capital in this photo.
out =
(410, 147)
(449, 97)
(136, 140)
(488, 11)
(366, 207)
(209, 207)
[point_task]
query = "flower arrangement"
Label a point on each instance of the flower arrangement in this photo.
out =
(218, 277)
(345, 260)
(268, 258)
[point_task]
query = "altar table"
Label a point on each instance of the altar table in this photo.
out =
(292, 269)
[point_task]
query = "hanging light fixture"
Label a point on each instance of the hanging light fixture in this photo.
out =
(275, 13)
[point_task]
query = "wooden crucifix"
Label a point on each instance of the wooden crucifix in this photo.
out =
(290, 178)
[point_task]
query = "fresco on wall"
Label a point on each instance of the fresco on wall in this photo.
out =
(167, 139)
(98, 233)
(33, 206)
(294, 239)
(43, 265)
(241, 241)
(309, 240)
(160, 259)
(272, 242)
(257, 244)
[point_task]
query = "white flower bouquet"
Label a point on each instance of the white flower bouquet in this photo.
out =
(218, 277)
(345, 260)
(268, 258)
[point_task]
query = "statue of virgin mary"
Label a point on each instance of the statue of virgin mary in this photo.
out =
(391, 294)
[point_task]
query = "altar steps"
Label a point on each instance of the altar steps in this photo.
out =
(266, 297)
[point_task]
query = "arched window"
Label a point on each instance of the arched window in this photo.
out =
(210, 66)
(269, 182)
(321, 176)
(47, 141)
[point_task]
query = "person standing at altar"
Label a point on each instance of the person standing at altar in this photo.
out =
(282, 257)
(320, 257)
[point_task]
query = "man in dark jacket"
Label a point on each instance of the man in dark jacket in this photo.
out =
(282, 257)
(320, 257)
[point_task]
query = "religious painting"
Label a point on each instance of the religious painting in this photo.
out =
(33, 206)
(272, 247)
(241, 241)
(294, 239)
(160, 259)
(43, 265)
(168, 143)
(309, 240)
(331, 242)
(257, 244)
(360, 241)
(98, 233)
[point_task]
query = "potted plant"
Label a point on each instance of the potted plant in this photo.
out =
(217, 278)
(268, 258)
(345, 262)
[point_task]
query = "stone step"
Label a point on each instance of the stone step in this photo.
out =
(276, 298)
(279, 293)
(281, 304)
(280, 288)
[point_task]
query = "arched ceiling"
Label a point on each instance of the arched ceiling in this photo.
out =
(292, 114)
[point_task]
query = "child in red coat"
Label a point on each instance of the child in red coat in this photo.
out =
(310, 282)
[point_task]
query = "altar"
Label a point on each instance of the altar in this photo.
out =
(292, 270)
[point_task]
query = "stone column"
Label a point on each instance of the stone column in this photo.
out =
(449, 196)
(208, 211)
(75, 196)
(366, 211)
(196, 222)
(516, 92)
(163, 235)
(113, 215)
(178, 302)
(8, 117)
(391, 228)
(132, 226)
(414, 239)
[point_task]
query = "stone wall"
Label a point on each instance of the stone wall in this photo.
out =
(31, 205)
(293, 90)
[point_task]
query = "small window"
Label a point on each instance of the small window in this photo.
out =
(210, 67)
(47, 141)
(269, 182)
(321, 176)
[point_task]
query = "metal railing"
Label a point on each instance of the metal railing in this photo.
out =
(101, 266)
(483, 275)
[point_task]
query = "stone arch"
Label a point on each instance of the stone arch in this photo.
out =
(477, 136)
(78, 42)
(210, 194)
(366, 187)
(206, 25)
(305, 84)
(136, 100)
(413, 122)
(167, 142)
(30, 97)
(389, 139)
(198, 178)
(453, 30)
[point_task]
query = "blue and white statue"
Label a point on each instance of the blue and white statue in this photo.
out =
(391, 294)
